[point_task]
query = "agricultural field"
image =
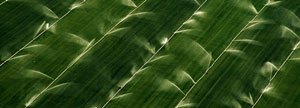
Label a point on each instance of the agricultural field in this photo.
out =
(149, 54)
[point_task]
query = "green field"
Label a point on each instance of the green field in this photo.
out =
(149, 54)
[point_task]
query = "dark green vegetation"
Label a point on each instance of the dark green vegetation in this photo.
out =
(149, 53)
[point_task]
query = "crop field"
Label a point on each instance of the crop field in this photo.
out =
(149, 54)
